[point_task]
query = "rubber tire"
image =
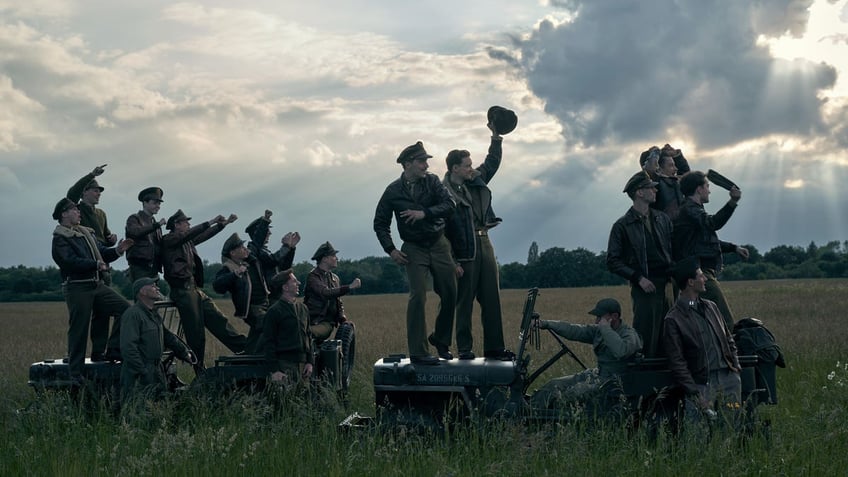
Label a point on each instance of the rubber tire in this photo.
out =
(347, 336)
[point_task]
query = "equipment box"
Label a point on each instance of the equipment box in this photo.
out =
(53, 374)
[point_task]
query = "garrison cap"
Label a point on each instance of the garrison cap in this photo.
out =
(151, 193)
(326, 249)
(503, 119)
(94, 185)
(280, 279)
(606, 305)
(639, 180)
(61, 206)
(233, 242)
(178, 216)
(143, 282)
(413, 152)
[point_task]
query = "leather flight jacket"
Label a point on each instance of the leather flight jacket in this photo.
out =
(240, 286)
(695, 234)
(687, 356)
(183, 267)
(147, 237)
(461, 229)
(75, 258)
(627, 254)
(429, 196)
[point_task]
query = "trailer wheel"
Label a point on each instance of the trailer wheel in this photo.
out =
(346, 335)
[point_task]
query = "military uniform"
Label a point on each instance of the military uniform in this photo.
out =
(77, 252)
(95, 219)
(184, 273)
(143, 340)
(428, 252)
(268, 263)
(286, 341)
(248, 291)
(613, 349)
(468, 232)
(145, 256)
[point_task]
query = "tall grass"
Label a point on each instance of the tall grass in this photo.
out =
(255, 435)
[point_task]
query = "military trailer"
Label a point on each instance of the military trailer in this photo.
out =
(430, 396)
(239, 372)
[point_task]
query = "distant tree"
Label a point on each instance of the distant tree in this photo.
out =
(514, 275)
(533, 253)
(784, 255)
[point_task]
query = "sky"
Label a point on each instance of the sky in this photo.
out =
(303, 107)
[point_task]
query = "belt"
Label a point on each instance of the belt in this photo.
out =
(481, 233)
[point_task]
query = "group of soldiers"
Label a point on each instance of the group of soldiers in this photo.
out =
(667, 248)
(261, 283)
(665, 245)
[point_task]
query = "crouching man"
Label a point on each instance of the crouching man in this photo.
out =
(286, 340)
(614, 343)
(143, 340)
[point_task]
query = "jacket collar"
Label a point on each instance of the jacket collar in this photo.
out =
(70, 232)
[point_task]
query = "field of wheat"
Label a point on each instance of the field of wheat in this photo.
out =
(246, 435)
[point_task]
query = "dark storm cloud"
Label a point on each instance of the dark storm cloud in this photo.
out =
(622, 71)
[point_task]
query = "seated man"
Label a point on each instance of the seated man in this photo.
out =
(614, 343)
(286, 341)
(323, 294)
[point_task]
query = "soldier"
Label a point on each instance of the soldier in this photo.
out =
(421, 204)
(242, 278)
(669, 197)
(145, 257)
(143, 340)
(286, 341)
(695, 236)
(614, 344)
(323, 294)
(639, 250)
(270, 263)
(700, 348)
(81, 259)
(468, 232)
(184, 273)
(86, 193)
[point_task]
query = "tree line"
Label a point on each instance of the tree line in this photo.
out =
(552, 268)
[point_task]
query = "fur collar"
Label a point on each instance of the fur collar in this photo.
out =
(71, 232)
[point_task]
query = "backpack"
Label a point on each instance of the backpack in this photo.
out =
(753, 338)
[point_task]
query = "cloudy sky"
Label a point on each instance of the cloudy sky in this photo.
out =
(302, 108)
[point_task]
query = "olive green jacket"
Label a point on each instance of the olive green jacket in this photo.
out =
(613, 348)
(90, 216)
(143, 340)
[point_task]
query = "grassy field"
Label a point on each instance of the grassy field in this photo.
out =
(246, 435)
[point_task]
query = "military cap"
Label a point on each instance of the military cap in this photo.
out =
(143, 282)
(258, 229)
(326, 249)
(280, 279)
(94, 185)
(413, 152)
(639, 180)
(606, 305)
(685, 269)
(151, 193)
(503, 119)
(233, 242)
(178, 216)
(61, 206)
